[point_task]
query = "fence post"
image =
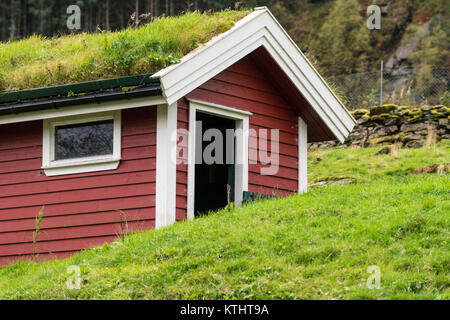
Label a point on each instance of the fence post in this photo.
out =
(381, 84)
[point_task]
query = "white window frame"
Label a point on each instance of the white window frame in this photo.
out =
(54, 167)
(241, 171)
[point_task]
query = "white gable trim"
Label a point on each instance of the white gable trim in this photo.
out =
(259, 28)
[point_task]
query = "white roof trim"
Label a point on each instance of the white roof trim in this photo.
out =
(259, 28)
(82, 109)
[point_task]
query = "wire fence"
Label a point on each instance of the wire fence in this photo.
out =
(406, 87)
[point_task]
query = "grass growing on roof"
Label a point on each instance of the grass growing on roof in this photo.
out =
(39, 62)
(317, 245)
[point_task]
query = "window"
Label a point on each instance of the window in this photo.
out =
(82, 144)
(84, 140)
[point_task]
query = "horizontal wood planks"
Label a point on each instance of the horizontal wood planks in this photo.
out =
(80, 210)
(182, 156)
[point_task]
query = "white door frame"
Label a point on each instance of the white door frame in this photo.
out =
(241, 154)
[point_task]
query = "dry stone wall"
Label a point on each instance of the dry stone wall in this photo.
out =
(389, 124)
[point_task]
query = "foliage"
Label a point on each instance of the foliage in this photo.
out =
(445, 99)
(332, 31)
(432, 50)
(343, 39)
(424, 81)
(318, 245)
(37, 229)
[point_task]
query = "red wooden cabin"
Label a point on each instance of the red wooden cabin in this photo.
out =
(108, 162)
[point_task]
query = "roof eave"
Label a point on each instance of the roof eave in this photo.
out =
(61, 102)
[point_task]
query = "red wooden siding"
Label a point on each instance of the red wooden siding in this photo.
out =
(244, 86)
(183, 123)
(317, 129)
(81, 210)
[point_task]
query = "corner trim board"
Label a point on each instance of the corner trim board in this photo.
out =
(166, 168)
(302, 156)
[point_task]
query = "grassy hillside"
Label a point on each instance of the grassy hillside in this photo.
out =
(313, 246)
(366, 166)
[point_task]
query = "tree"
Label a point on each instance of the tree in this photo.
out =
(343, 39)
(432, 51)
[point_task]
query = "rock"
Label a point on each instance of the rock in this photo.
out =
(434, 168)
(391, 121)
(330, 182)
(356, 135)
(384, 150)
(387, 108)
(360, 113)
(441, 132)
(357, 142)
(391, 129)
(443, 123)
(381, 132)
(407, 127)
(405, 48)
(372, 129)
(318, 184)
(390, 149)
(415, 144)
(385, 119)
(362, 120)
(385, 140)
(412, 137)
(343, 181)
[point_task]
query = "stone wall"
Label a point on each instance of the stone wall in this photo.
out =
(389, 124)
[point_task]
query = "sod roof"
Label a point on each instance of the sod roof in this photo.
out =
(41, 62)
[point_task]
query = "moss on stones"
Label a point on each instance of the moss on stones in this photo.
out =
(386, 115)
(414, 119)
(437, 114)
(390, 107)
(390, 138)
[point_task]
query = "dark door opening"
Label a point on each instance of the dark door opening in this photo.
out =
(211, 180)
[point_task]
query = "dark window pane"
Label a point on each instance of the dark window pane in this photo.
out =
(84, 140)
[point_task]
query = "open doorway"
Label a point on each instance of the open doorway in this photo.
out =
(214, 182)
(199, 187)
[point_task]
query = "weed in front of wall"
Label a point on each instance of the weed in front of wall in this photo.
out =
(37, 230)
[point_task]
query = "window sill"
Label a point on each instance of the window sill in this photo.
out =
(65, 167)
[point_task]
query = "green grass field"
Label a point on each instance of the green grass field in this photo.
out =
(317, 245)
